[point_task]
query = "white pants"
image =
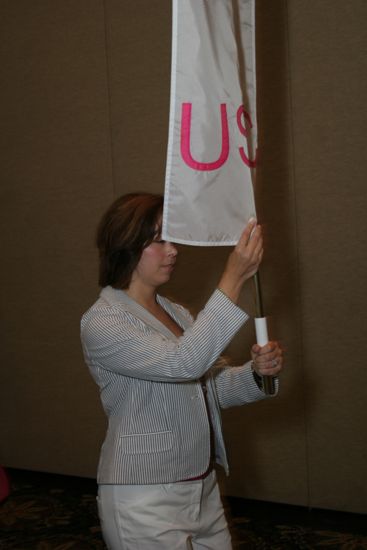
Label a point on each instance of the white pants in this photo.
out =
(172, 516)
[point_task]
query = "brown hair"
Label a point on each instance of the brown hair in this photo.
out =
(128, 226)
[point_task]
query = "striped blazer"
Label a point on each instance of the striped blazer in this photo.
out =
(158, 429)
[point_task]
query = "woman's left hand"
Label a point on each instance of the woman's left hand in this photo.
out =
(267, 360)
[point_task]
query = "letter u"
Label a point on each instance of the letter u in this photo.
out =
(186, 138)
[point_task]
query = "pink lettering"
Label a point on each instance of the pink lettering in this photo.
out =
(251, 163)
(186, 137)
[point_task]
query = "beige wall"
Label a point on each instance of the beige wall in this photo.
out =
(84, 118)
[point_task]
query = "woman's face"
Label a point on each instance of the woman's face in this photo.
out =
(156, 263)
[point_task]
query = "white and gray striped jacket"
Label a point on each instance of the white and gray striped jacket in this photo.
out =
(158, 429)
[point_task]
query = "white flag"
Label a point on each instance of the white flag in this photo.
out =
(212, 129)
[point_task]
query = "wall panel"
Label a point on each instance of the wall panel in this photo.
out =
(139, 46)
(56, 172)
(328, 43)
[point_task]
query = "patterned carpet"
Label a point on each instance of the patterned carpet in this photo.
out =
(53, 512)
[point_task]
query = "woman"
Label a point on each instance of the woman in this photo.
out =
(161, 384)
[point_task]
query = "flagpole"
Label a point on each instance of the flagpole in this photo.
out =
(262, 332)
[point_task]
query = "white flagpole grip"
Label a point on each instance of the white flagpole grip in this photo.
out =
(261, 329)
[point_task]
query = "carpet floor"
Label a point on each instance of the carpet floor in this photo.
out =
(55, 512)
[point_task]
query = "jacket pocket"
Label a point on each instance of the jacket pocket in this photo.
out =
(155, 442)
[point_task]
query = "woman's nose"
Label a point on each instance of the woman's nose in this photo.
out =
(172, 250)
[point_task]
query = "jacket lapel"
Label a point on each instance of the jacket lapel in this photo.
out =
(114, 296)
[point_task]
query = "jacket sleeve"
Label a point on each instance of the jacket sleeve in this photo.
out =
(116, 340)
(236, 385)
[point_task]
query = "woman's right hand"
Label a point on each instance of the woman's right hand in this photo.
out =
(243, 262)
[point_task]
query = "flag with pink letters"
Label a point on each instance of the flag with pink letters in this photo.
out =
(212, 129)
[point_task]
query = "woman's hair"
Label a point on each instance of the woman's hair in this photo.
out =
(128, 226)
